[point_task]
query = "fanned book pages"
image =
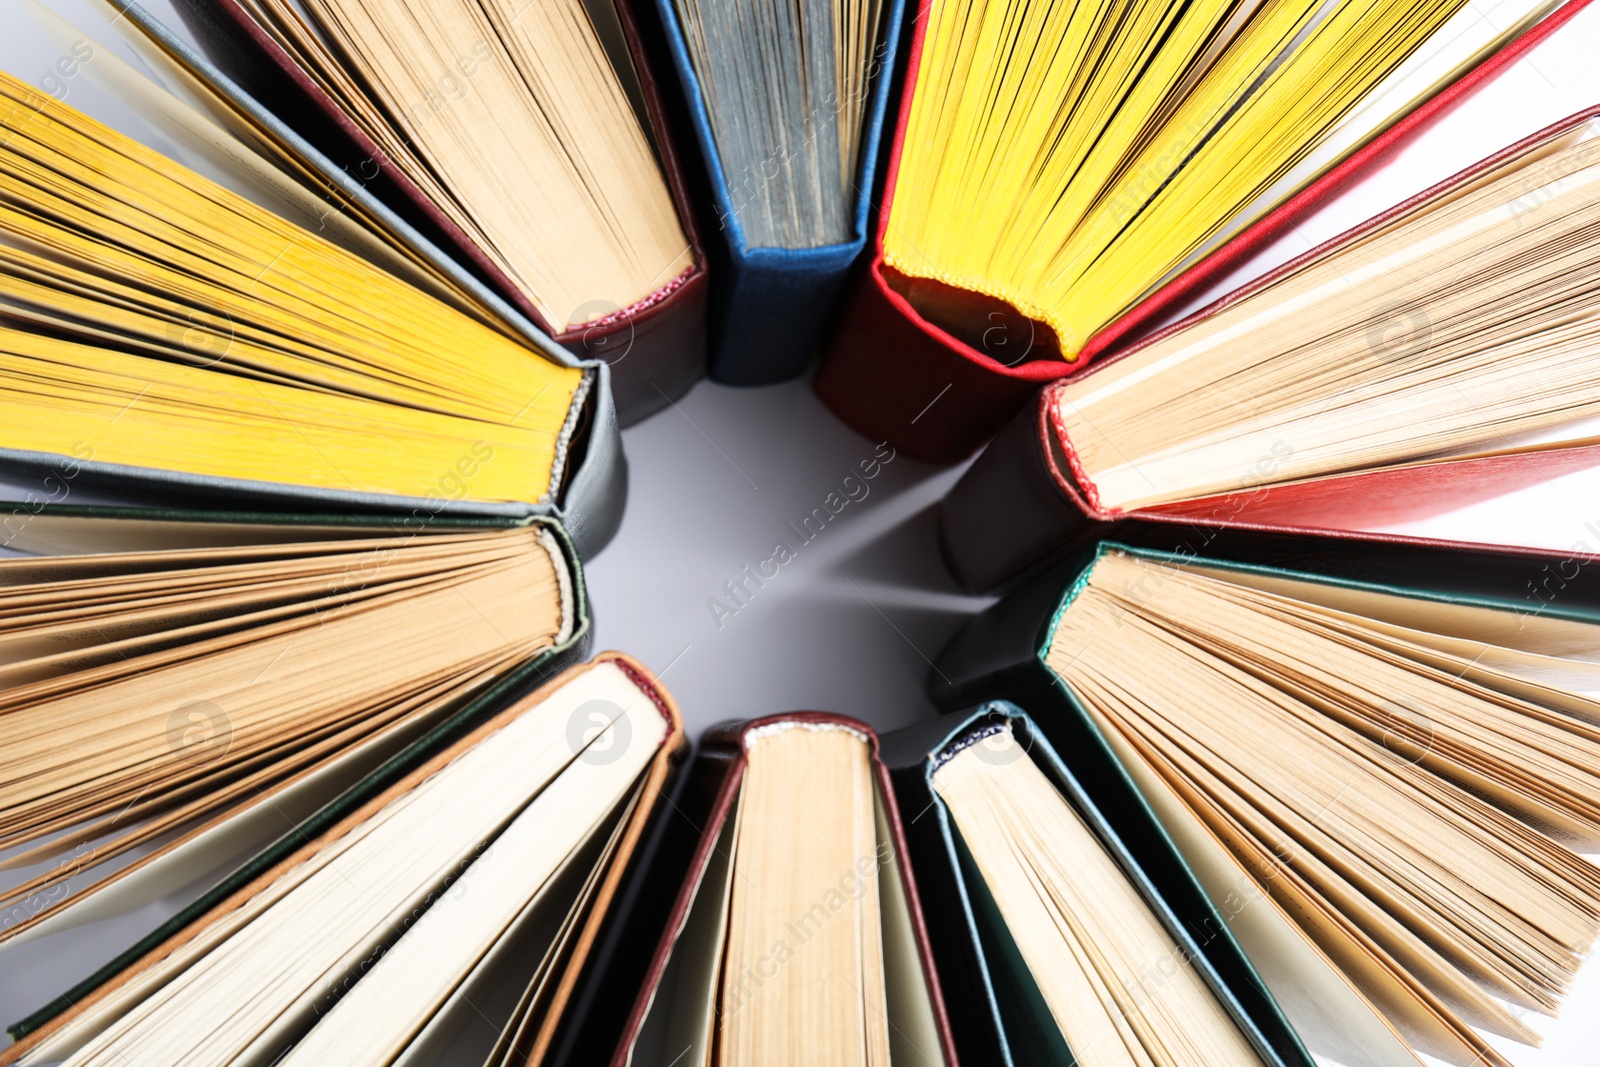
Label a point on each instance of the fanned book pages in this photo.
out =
(440, 913)
(1428, 359)
(1019, 240)
(522, 142)
(162, 328)
(1177, 125)
(1070, 930)
(176, 691)
(1390, 792)
(786, 89)
(529, 145)
(786, 104)
(1462, 329)
(1085, 932)
(796, 938)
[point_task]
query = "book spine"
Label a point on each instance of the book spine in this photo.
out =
(894, 377)
(767, 307)
(772, 308)
(656, 347)
(1008, 514)
(995, 656)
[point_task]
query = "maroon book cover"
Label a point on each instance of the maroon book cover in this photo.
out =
(708, 800)
(656, 348)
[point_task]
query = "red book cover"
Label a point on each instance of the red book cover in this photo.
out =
(1027, 502)
(892, 375)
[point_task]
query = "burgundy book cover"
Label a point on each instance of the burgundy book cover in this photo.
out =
(892, 375)
(1026, 502)
(656, 347)
(708, 798)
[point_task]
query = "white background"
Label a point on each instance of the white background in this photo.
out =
(852, 622)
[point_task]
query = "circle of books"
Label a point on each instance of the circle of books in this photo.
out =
(353, 298)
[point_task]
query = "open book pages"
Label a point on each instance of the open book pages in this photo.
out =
(1084, 931)
(1464, 328)
(156, 320)
(360, 947)
(1171, 128)
(1401, 781)
(512, 120)
(786, 89)
(798, 948)
(170, 708)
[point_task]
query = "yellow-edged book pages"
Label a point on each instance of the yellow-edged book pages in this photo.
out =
(1070, 181)
(153, 319)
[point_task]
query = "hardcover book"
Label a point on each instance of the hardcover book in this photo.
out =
(1435, 355)
(1070, 929)
(231, 337)
(797, 936)
(180, 688)
(788, 137)
(441, 910)
(1017, 243)
(1378, 760)
(525, 142)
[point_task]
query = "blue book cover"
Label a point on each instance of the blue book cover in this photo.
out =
(770, 306)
